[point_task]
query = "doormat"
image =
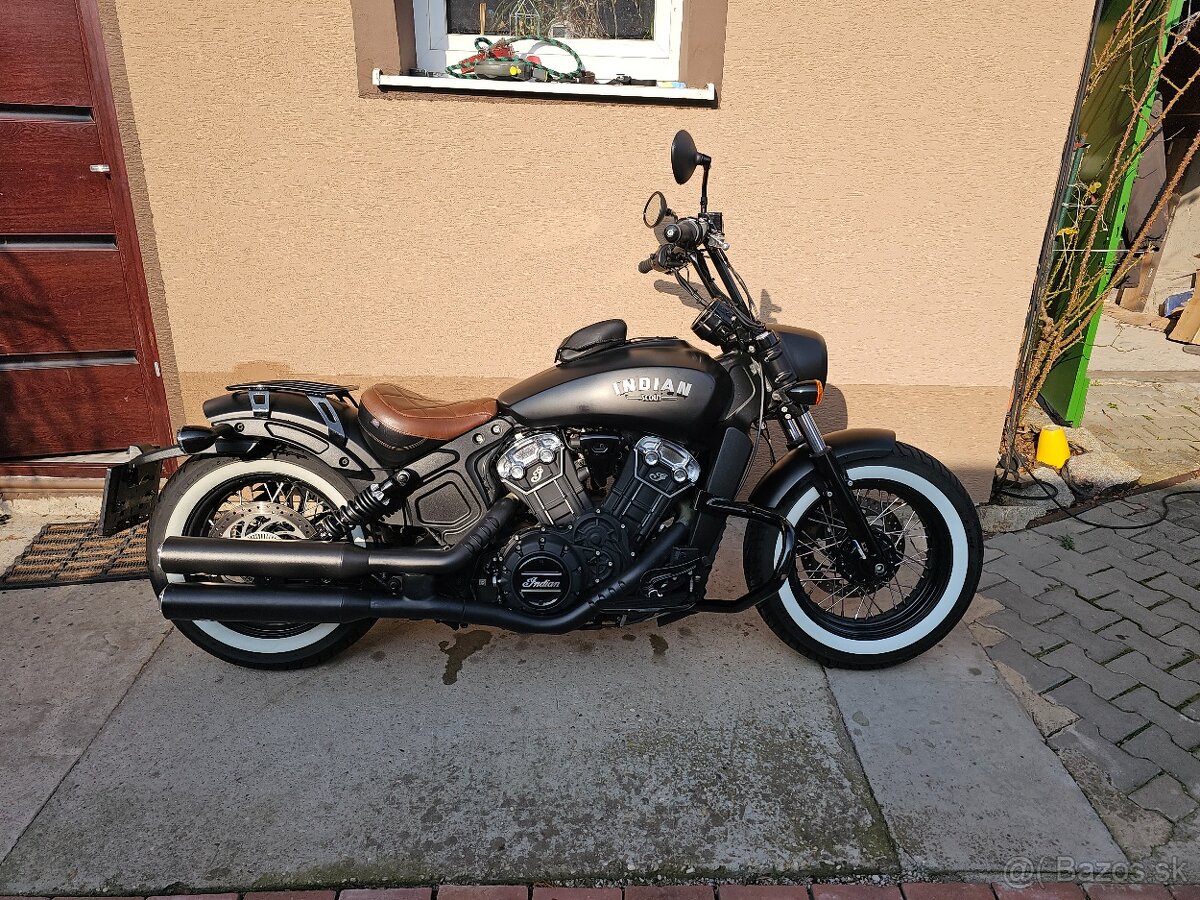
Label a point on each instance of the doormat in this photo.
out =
(76, 553)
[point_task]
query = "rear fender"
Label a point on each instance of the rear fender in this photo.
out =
(848, 445)
(325, 428)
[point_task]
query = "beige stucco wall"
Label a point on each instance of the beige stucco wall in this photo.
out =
(885, 175)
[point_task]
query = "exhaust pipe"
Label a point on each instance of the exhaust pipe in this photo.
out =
(321, 561)
(229, 603)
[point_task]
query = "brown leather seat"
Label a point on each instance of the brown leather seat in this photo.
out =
(395, 416)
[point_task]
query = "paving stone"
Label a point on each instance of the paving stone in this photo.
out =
(1013, 570)
(1089, 615)
(1031, 638)
(386, 894)
(1106, 682)
(1039, 891)
(1138, 570)
(1035, 612)
(291, 895)
(426, 894)
(1179, 611)
(1113, 723)
(1165, 795)
(1167, 562)
(748, 892)
(662, 892)
(1067, 527)
(1173, 691)
(1126, 772)
(1039, 676)
(1144, 702)
(988, 579)
(1030, 547)
(991, 552)
(1127, 892)
(1189, 672)
(926, 891)
(1186, 891)
(1150, 621)
(1130, 635)
(1089, 585)
(1162, 536)
(1156, 745)
(1099, 647)
(1170, 583)
(853, 892)
(1192, 711)
(511, 892)
(1102, 537)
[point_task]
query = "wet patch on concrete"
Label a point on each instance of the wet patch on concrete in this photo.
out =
(659, 643)
(464, 645)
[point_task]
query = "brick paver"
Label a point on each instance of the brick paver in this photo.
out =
(492, 892)
(763, 892)
(855, 892)
(1043, 891)
(1107, 624)
(394, 894)
(926, 891)
(1128, 892)
(570, 893)
(665, 892)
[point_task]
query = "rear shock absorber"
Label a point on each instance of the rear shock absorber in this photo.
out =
(367, 506)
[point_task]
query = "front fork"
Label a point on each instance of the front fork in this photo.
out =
(837, 487)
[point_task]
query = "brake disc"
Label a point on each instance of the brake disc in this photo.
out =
(263, 521)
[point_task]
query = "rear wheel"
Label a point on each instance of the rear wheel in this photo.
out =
(274, 499)
(923, 518)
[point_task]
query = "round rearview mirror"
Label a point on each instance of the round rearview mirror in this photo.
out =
(684, 157)
(656, 210)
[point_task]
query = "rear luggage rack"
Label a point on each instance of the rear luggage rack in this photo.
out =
(307, 388)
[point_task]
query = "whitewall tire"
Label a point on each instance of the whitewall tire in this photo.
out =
(821, 614)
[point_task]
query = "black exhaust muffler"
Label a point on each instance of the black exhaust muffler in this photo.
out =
(233, 603)
(320, 561)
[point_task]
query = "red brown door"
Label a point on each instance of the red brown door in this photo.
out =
(78, 362)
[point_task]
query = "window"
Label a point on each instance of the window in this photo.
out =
(638, 38)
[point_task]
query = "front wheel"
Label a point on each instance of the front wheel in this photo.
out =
(928, 527)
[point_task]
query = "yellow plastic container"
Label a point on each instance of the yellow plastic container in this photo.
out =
(1052, 447)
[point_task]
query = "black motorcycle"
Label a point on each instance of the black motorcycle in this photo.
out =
(592, 494)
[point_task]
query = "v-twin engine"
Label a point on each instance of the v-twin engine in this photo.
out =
(578, 545)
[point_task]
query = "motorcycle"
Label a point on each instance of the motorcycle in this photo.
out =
(592, 494)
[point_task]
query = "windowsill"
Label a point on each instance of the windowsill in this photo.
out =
(617, 93)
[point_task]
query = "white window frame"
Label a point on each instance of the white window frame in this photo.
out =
(657, 58)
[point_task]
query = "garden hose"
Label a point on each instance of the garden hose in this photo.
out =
(466, 68)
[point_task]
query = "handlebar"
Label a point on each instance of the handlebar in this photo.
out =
(686, 233)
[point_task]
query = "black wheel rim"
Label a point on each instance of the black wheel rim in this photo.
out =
(285, 507)
(909, 526)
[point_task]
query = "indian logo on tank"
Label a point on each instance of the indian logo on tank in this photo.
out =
(652, 389)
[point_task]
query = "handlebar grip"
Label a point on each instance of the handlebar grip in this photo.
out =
(645, 266)
(686, 232)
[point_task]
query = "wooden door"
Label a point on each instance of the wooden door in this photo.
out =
(79, 368)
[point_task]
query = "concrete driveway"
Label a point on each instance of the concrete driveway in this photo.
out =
(136, 764)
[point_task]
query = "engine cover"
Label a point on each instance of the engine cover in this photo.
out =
(541, 572)
(656, 473)
(538, 468)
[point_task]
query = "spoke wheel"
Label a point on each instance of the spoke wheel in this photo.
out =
(836, 611)
(258, 508)
(838, 596)
(277, 498)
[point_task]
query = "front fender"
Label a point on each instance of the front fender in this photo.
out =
(848, 445)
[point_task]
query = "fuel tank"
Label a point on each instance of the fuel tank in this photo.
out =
(663, 386)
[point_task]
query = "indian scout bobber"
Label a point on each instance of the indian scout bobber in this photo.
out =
(592, 494)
